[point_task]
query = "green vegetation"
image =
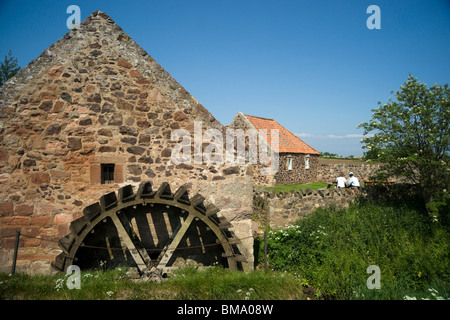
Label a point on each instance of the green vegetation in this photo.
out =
(295, 187)
(332, 249)
(411, 136)
(186, 284)
(328, 155)
(8, 68)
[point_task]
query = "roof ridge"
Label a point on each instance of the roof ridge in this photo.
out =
(248, 115)
(98, 13)
(288, 141)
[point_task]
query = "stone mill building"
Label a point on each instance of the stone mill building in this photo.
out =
(298, 162)
(86, 175)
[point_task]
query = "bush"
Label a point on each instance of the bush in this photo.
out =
(331, 250)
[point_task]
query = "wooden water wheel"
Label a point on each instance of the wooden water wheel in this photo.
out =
(154, 231)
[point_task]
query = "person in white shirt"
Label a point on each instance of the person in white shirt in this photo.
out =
(353, 181)
(341, 181)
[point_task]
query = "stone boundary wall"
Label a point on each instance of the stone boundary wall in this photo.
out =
(285, 208)
(330, 169)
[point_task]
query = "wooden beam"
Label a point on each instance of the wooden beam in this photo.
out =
(129, 243)
(176, 238)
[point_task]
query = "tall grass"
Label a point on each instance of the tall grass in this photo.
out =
(332, 249)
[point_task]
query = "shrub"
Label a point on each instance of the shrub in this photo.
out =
(331, 250)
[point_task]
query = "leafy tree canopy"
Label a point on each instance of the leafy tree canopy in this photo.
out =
(411, 137)
(8, 68)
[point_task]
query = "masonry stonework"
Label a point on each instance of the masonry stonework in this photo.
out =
(286, 208)
(95, 98)
(299, 174)
(329, 169)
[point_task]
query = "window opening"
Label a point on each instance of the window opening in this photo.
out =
(107, 173)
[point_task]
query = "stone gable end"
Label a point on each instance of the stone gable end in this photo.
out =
(94, 98)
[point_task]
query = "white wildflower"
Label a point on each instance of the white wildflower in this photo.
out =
(59, 284)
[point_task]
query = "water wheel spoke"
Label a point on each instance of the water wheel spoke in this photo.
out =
(134, 237)
(129, 243)
(176, 239)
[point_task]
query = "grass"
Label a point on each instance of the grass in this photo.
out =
(295, 187)
(186, 284)
(332, 249)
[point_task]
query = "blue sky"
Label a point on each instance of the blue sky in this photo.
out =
(314, 66)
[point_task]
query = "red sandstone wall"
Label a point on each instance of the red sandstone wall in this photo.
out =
(95, 97)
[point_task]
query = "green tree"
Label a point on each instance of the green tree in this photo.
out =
(411, 137)
(8, 68)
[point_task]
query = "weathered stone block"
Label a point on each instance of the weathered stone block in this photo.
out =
(85, 122)
(95, 97)
(236, 188)
(40, 221)
(17, 221)
(134, 169)
(135, 74)
(108, 107)
(107, 149)
(179, 116)
(62, 218)
(29, 163)
(55, 71)
(46, 105)
(66, 97)
(123, 63)
(40, 178)
(136, 150)
(145, 159)
(231, 170)
(6, 209)
(24, 210)
(128, 131)
(166, 153)
(105, 132)
(96, 53)
(129, 140)
(149, 173)
(74, 143)
(53, 129)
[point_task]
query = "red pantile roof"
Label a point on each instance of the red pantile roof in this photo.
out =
(288, 142)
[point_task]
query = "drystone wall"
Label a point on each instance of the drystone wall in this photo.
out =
(285, 208)
(328, 170)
